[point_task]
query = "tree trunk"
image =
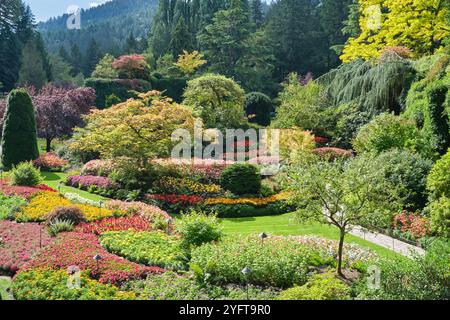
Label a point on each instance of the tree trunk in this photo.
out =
(49, 144)
(340, 252)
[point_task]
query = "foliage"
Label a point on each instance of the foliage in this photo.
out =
(149, 248)
(293, 143)
(302, 106)
(79, 249)
(135, 223)
(342, 193)
(259, 108)
(84, 182)
(218, 100)
(104, 68)
(25, 174)
(10, 205)
(18, 139)
(319, 287)
(20, 241)
(50, 161)
(57, 226)
(423, 278)
(241, 179)
(190, 62)
(173, 87)
(412, 224)
(72, 214)
(396, 23)
(439, 211)
(98, 167)
(197, 228)
(438, 181)
(146, 211)
(330, 153)
(139, 128)
(132, 67)
(388, 131)
(175, 202)
(274, 262)
(47, 284)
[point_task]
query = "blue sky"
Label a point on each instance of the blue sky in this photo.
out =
(45, 9)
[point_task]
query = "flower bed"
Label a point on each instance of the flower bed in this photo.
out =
(148, 212)
(48, 284)
(135, 223)
(50, 162)
(78, 249)
(332, 153)
(19, 242)
(84, 182)
(257, 202)
(98, 168)
(24, 192)
(150, 248)
(175, 202)
(185, 186)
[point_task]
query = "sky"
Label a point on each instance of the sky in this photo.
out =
(45, 9)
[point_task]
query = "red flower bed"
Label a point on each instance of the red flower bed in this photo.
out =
(19, 242)
(79, 249)
(24, 192)
(136, 223)
(333, 153)
(416, 225)
(185, 200)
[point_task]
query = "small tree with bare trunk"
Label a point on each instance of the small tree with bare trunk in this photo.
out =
(342, 193)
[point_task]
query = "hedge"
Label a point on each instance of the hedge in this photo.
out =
(246, 210)
(171, 87)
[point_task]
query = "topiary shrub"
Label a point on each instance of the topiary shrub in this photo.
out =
(438, 182)
(25, 174)
(19, 137)
(241, 179)
(70, 213)
(197, 228)
(258, 107)
(319, 287)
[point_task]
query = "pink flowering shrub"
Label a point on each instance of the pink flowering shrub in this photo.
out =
(49, 161)
(146, 211)
(19, 242)
(98, 168)
(21, 191)
(84, 182)
(79, 249)
(414, 224)
(135, 223)
(332, 153)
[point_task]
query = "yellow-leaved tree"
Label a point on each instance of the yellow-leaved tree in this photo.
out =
(190, 62)
(419, 25)
(138, 129)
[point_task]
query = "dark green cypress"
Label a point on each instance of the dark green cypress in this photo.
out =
(19, 137)
(439, 118)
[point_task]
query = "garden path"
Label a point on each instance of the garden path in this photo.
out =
(398, 246)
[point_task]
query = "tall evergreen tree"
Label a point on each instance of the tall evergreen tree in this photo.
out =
(131, 45)
(181, 38)
(19, 136)
(76, 59)
(92, 57)
(256, 15)
(32, 71)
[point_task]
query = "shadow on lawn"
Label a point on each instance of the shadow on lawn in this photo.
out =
(51, 176)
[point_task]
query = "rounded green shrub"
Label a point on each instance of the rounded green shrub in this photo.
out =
(19, 136)
(258, 107)
(319, 287)
(440, 216)
(241, 179)
(197, 228)
(25, 174)
(438, 182)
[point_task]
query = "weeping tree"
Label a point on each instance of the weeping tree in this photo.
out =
(373, 86)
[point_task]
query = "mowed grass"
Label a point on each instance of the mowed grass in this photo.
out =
(286, 224)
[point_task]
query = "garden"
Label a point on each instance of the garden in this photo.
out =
(171, 178)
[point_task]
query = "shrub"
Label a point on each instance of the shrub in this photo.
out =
(78, 249)
(47, 284)
(84, 182)
(49, 161)
(132, 67)
(197, 228)
(388, 131)
(57, 226)
(258, 107)
(19, 242)
(70, 213)
(412, 224)
(439, 211)
(98, 168)
(330, 153)
(319, 287)
(275, 262)
(10, 205)
(150, 248)
(438, 182)
(175, 202)
(25, 174)
(241, 179)
(18, 139)
(173, 87)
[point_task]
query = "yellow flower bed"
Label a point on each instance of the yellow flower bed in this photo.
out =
(45, 202)
(257, 202)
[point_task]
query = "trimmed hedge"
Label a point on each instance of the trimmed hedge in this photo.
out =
(246, 210)
(171, 87)
(120, 88)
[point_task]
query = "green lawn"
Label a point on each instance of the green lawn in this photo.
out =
(287, 225)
